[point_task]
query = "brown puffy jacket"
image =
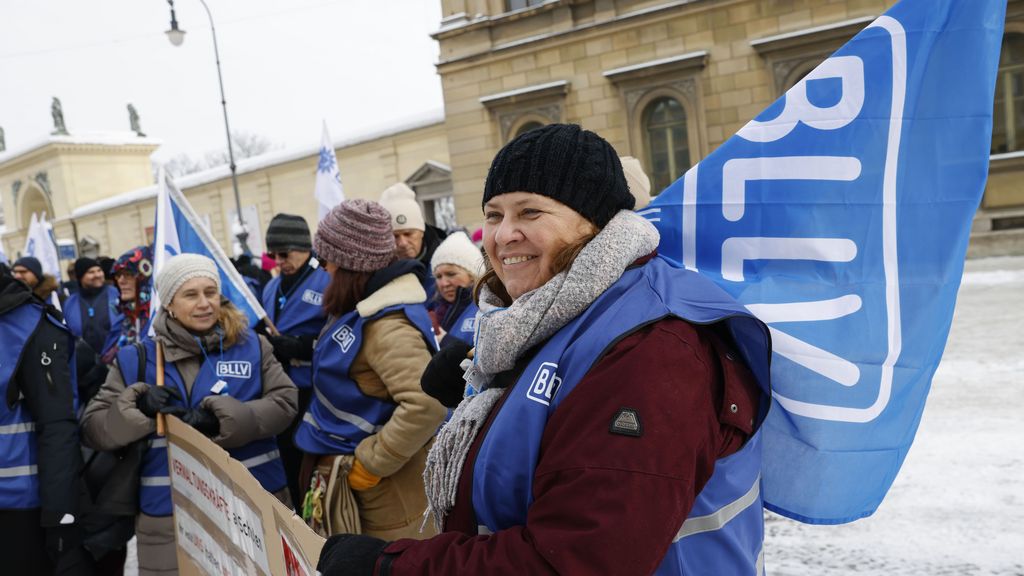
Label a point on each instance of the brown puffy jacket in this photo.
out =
(389, 366)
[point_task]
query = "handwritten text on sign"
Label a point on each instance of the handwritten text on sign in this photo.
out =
(231, 514)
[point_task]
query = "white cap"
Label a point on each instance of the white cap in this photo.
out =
(639, 183)
(459, 250)
(180, 269)
(400, 201)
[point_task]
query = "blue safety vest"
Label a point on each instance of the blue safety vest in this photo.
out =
(464, 327)
(724, 531)
(19, 481)
(302, 314)
(340, 415)
(240, 368)
(75, 321)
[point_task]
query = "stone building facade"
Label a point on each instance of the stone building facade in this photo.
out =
(666, 81)
(101, 192)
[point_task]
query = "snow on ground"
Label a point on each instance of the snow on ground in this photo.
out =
(957, 506)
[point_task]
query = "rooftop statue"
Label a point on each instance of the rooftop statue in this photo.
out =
(58, 118)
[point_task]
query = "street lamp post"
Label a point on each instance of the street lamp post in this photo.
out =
(177, 36)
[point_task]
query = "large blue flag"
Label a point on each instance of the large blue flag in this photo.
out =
(840, 216)
(179, 230)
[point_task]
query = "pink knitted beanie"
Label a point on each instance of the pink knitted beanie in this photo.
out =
(356, 235)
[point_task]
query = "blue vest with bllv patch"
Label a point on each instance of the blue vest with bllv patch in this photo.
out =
(464, 327)
(340, 415)
(724, 531)
(239, 368)
(301, 315)
(19, 480)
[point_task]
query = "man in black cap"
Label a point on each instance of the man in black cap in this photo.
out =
(294, 303)
(29, 270)
(92, 312)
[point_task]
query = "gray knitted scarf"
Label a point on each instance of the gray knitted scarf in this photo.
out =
(506, 333)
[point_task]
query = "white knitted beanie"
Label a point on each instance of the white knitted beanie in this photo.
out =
(400, 201)
(639, 183)
(459, 250)
(180, 269)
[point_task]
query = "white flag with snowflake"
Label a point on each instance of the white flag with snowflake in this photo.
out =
(328, 179)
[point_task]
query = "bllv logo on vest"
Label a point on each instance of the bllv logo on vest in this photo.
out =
(469, 324)
(313, 297)
(234, 369)
(784, 207)
(344, 336)
(545, 384)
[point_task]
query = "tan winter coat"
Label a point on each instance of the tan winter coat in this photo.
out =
(112, 421)
(389, 366)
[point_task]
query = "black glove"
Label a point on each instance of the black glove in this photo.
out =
(203, 420)
(156, 399)
(442, 378)
(288, 348)
(352, 555)
(261, 327)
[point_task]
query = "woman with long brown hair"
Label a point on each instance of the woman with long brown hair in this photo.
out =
(221, 378)
(369, 423)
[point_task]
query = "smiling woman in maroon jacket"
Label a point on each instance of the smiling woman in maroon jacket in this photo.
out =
(613, 401)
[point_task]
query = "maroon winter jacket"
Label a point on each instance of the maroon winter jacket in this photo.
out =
(606, 503)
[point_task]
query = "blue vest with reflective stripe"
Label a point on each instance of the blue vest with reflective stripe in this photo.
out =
(19, 482)
(724, 531)
(73, 316)
(340, 415)
(301, 315)
(240, 368)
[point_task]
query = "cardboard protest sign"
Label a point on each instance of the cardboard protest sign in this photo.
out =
(226, 524)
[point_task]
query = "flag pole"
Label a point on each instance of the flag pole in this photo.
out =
(161, 420)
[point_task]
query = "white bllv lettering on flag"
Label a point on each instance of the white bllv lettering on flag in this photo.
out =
(780, 171)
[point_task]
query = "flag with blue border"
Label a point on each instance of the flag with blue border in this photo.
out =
(179, 230)
(840, 216)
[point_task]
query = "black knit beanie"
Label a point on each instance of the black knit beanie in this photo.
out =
(566, 163)
(82, 265)
(288, 232)
(32, 264)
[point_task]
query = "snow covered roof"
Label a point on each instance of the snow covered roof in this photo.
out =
(94, 138)
(263, 161)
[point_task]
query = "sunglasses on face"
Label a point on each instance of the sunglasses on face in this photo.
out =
(280, 255)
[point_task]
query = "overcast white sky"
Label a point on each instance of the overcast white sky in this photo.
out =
(287, 65)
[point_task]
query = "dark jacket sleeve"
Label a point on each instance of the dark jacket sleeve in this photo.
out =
(605, 503)
(44, 378)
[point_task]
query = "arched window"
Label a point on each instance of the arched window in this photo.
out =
(666, 137)
(1008, 113)
(527, 126)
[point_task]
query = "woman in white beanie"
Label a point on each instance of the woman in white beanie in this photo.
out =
(221, 378)
(456, 266)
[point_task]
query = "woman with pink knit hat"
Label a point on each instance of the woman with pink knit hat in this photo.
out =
(369, 423)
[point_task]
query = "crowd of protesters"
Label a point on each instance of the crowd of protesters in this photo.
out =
(544, 396)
